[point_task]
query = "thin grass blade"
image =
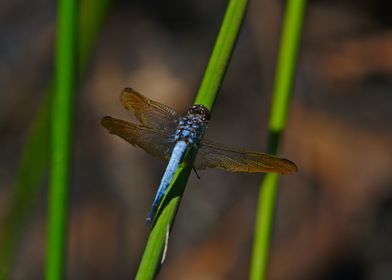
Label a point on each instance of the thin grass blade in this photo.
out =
(34, 160)
(284, 80)
(60, 137)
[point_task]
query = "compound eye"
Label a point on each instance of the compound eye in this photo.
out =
(200, 110)
(207, 114)
(204, 112)
(193, 110)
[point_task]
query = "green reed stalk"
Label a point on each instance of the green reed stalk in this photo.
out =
(60, 138)
(156, 246)
(283, 87)
(34, 160)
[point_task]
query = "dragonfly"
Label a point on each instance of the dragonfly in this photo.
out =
(165, 134)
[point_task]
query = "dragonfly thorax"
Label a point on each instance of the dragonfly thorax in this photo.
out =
(191, 126)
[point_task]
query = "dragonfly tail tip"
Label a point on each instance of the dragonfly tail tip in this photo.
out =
(148, 221)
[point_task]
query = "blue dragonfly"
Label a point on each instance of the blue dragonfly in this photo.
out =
(164, 134)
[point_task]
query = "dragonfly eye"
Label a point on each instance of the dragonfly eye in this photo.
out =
(200, 110)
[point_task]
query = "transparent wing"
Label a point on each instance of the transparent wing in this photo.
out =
(154, 142)
(148, 112)
(214, 155)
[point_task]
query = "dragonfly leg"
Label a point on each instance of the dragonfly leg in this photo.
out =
(197, 174)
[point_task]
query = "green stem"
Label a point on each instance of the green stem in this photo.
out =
(212, 80)
(221, 53)
(34, 160)
(61, 130)
(157, 242)
(284, 80)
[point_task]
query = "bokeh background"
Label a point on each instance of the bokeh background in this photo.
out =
(334, 217)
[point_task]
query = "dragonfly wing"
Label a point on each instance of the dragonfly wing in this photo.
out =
(214, 155)
(149, 112)
(155, 142)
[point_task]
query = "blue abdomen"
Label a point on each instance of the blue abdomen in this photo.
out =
(188, 133)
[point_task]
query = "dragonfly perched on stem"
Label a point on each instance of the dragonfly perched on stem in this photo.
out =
(164, 134)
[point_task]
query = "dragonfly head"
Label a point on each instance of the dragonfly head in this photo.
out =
(201, 111)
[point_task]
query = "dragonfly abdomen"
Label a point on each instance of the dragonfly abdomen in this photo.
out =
(175, 160)
(189, 131)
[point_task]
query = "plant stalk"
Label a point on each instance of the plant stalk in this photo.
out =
(283, 87)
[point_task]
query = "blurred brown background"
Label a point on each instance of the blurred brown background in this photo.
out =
(334, 218)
